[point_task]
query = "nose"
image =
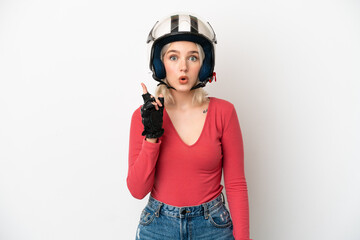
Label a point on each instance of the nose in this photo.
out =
(183, 65)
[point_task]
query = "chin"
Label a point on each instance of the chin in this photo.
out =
(182, 89)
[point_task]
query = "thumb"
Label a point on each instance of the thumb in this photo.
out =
(161, 99)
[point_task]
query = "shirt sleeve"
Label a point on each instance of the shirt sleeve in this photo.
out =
(234, 176)
(143, 156)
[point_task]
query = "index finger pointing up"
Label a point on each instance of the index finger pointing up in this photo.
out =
(144, 88)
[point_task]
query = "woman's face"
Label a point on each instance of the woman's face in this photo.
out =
(182, 65)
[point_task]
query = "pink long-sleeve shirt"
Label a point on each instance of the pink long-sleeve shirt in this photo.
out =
(180, 175)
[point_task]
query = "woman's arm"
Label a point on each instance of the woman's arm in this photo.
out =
(234, 176)
(143, 156)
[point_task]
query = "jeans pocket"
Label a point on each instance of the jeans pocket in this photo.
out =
(147, 216)
(220, 217)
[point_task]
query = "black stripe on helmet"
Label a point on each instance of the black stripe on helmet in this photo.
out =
(194, 24)
(174, 23)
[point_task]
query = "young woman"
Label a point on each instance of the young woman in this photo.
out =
(181, 141)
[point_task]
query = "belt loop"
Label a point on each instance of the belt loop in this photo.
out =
(222, 198)
(206, 211)
(158, 209)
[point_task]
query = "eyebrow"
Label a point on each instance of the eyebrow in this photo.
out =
(176, 51)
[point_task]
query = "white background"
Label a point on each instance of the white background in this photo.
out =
(70, 74)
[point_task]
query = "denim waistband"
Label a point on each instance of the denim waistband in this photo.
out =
(190, 211)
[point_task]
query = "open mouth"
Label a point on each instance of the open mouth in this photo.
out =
(183, 79)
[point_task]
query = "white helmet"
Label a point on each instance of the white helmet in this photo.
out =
(182, 27)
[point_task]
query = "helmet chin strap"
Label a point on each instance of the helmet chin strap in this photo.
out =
(199, 85)
(203, 83)
(168, 86)
(162, 82)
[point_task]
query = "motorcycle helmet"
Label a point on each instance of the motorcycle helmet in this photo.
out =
(182, 27)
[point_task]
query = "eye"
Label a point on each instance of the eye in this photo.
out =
(173, 58)
(193, 58)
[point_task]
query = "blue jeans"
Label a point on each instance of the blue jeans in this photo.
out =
(209, 221)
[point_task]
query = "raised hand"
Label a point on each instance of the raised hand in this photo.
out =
(152, 114)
